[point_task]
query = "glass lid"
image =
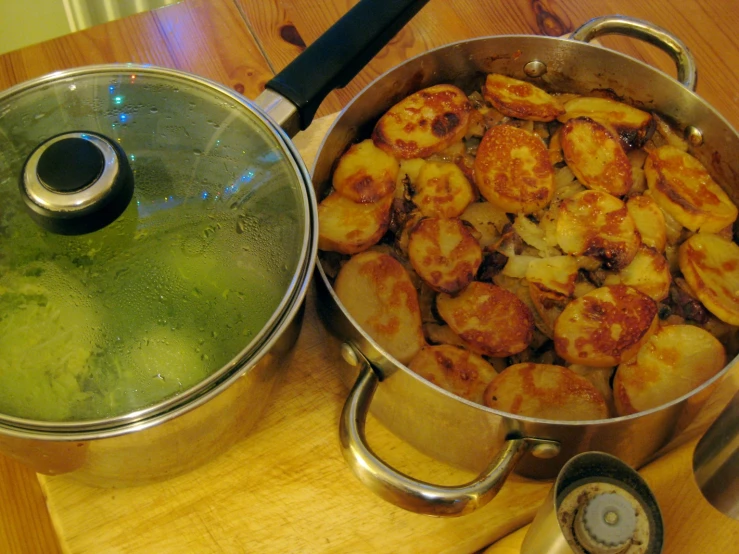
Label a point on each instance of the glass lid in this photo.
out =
(114, 299)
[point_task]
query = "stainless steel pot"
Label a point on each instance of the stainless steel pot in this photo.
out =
(221, 232)
(443, 425)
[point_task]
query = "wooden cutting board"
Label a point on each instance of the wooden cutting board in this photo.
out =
(286, 487)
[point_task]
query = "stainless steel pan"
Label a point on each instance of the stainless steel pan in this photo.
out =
(443, 425)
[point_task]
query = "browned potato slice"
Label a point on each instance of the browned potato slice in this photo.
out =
(348, 227)
(710, 265)
(648, 272)
(520, 99)
(513, 171)
(605, 326)
(378, 293)
(491, 320)
(595, 157)
(424, 123)
(487, 219)
(597, 224)
(454, 369)
(444, 253)
(684, 189)
(442, 190)
(632, 126)
(365, 173)
(546, 392)
(673, 362)
(408, 172)
(649, 220)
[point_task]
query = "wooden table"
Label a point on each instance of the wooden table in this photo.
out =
(241, 43)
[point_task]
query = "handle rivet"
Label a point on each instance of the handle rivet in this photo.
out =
(535, 68)
(349, 354)
(545, 450)
(694, 136)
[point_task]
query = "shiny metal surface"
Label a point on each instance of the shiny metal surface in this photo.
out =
(716, 461)
(455, 430)
(79, 200)
(555, 527)
(687, 73)
(410, 493)
(280, 109)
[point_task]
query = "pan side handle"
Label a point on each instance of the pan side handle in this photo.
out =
(412, 494)
(663, 39)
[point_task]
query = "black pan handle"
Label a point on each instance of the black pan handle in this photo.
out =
(341, 52)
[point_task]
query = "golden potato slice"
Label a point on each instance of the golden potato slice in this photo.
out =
(424, 123)
(674, 361)
(597, 224)
(444, 253)
(648, 272)
(605, 326)
(454, 369)
(595, 157)
(348, 227)
(491, 320)
(555, 273)
(520, 99)
(513, 171)
(710, 265)
(365, 173)
(684, 189)
(546, 392)
(649, 220)
(377, 291)
(442, 190)
(487, 219)
(632, 126)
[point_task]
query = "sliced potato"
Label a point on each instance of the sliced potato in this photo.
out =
(632, 126)
(442, 190)
(682, 187)
(520, 99)
(555, 147)
(555, 273)
(648, 272)
(597, 224)
(513, 171)
(365, 173)
(710, 265)
(348, 227)
(546, 392)
(548, 305)
(649, 221)
(595, 157)
(674, 361)
(454, 369)
(378, 293)
(424, 123)
(444, 253)
(605, 326)
(487, 219)
(491, 320)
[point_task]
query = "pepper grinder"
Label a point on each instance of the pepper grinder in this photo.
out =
(598, 505)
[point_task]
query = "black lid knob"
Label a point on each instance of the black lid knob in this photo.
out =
(76, 183)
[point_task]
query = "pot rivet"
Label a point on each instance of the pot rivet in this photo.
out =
(349, 354)
(535, 68)
(693, 135)
(545, 449)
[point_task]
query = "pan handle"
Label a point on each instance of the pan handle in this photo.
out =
(405, 491)
(687, 73)
(294, 94)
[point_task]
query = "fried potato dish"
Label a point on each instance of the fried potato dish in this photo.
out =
(542, 253)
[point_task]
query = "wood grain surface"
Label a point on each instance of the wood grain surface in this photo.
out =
(241, 43)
